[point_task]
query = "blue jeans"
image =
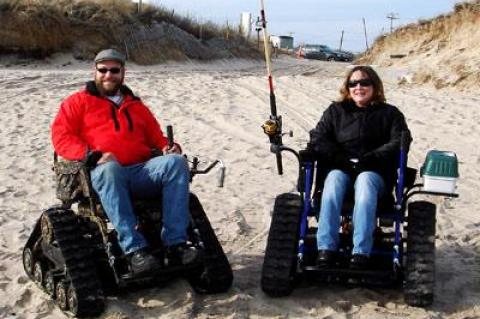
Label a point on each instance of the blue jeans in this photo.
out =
(166, 176)
(368, 187)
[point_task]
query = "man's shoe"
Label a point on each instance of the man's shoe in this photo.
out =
(142, 262)
(359, 261)
(182, 254)
(325, 258)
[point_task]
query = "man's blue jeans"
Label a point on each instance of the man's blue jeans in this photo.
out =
(166, 176)
(368, 187)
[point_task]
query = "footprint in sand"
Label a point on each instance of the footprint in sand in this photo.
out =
(473, 226)
(25, 298)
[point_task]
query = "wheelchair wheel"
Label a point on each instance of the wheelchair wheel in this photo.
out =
(280, 262)
(216, 274)
(420, 263)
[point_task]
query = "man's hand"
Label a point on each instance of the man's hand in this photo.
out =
(106, 157)
(174, 149)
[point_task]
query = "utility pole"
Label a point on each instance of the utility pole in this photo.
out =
(139, 6)
(392, 16)
(258, 28)
(228, 31)
(365, 31)
(341, 42)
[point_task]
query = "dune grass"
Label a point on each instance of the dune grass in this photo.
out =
(445, 46)
(38, 28)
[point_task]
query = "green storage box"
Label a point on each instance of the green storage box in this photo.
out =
(440, 172)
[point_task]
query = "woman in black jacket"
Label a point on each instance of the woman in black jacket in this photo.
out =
(359, 139)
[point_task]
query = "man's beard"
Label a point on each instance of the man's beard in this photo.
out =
(111, 90)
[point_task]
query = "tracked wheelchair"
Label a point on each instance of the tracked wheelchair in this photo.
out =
(403, 251)
(74, 256)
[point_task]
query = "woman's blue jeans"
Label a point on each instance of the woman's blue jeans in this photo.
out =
(368, 187)
(166, 176)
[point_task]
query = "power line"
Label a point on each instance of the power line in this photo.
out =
(392, 16)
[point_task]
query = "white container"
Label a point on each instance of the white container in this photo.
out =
(439, 184)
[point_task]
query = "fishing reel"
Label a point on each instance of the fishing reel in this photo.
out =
(273, 129)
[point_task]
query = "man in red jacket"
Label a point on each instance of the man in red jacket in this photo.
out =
(111, 129)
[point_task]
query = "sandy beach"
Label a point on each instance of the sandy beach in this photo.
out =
(217, 109)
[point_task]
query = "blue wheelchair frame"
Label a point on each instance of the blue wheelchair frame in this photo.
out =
(403, 191)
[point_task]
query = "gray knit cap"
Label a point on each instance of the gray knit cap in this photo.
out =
(110, 54)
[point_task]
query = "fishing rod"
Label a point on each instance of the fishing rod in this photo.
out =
(273, 126)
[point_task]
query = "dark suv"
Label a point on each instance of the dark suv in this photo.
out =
(322, 52)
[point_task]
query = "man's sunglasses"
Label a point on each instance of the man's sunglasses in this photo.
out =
(111, 70)
(362, 82)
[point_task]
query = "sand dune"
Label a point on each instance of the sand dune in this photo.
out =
(216, 110)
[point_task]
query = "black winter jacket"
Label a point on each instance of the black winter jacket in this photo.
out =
(371, 134)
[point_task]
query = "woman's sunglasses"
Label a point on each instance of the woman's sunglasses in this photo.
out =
(111, 70)
(362, 82)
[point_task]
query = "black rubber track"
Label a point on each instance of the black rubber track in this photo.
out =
(216, 275)
(280, 262)
(29, 249)
(80, 268)
(420, 263)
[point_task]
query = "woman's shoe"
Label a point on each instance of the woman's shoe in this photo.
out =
(182, 254)
(325, 258)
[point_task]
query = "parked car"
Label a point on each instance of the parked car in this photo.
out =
(310, 51)
(336, 55)
(322, 52)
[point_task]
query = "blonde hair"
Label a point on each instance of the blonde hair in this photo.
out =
(378, 92)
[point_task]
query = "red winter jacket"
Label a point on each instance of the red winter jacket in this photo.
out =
(89, 122)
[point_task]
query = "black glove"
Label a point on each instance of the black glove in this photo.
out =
(92, 159)
(341, 161)
(363, 163)
(353, 166)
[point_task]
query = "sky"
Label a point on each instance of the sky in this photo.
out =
(317, 21)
